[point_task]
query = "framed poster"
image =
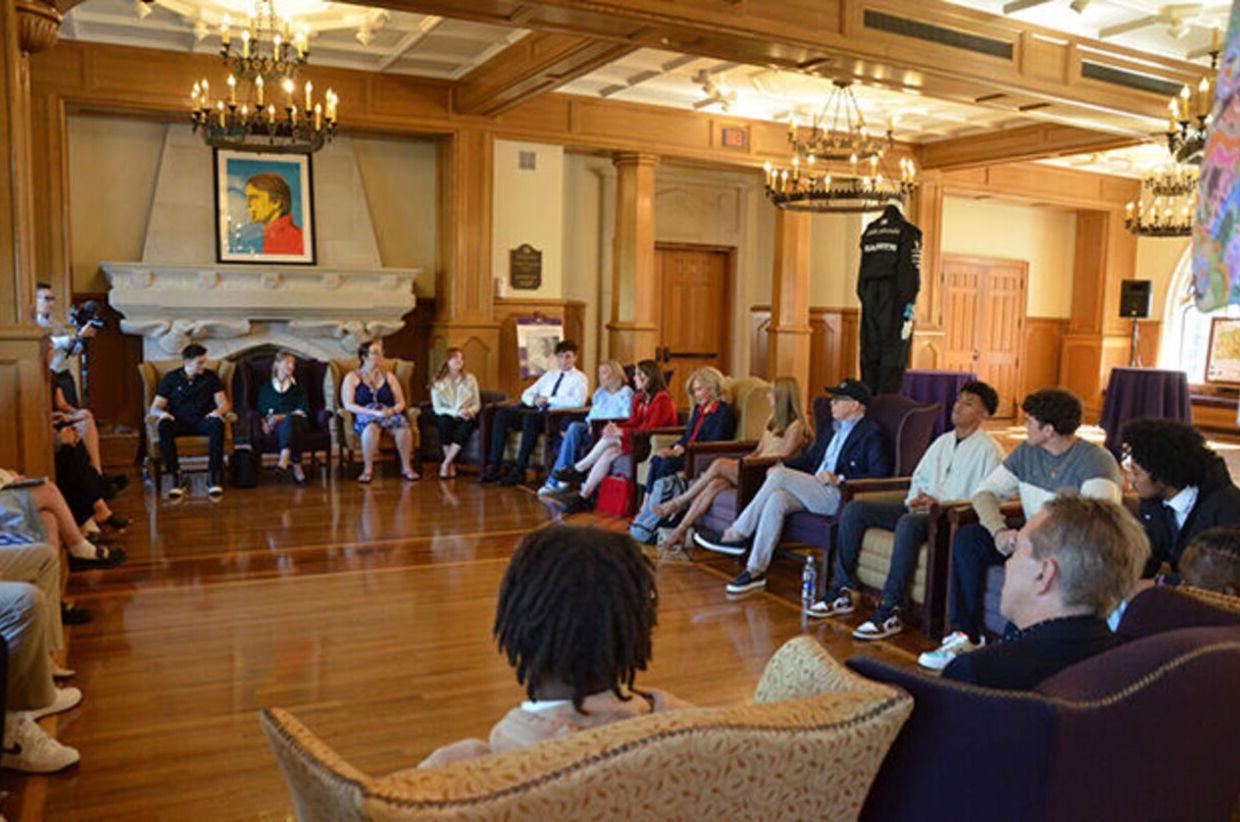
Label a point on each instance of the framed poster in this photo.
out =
(537, 338)
(264, 208)
(1223, 355)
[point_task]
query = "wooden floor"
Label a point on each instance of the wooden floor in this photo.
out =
(367, 611)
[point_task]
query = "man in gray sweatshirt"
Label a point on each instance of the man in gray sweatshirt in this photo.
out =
(1051, 459)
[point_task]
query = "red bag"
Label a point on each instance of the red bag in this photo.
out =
(615, 497)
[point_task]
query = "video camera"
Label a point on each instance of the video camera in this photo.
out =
(85, 314)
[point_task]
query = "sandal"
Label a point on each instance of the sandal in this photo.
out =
(410, 476)
(364, 477)
(104, 558)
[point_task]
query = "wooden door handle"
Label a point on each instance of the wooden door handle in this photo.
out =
(976, 355)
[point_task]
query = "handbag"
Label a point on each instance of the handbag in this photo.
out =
(615, 497)
(244, 463)
(645, 526)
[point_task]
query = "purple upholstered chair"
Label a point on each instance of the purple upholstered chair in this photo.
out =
(905, 427)
(251, 372)
(1145, 731)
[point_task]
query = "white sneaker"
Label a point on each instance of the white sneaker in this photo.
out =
(66, 698)
(552, 487)
(838, 605)
(29, 749)
(215, 491)
(954, 644)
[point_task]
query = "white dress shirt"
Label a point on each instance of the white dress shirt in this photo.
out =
(569, 392)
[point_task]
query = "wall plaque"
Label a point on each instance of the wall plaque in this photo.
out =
(525, 267)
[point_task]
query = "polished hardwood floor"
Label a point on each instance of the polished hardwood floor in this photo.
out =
(366, 611)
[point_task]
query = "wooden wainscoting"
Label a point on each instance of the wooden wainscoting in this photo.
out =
(1040, 353)
(571, 312)
(25, 408)
(834, 335)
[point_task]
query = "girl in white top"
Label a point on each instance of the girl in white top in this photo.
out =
(456, 403)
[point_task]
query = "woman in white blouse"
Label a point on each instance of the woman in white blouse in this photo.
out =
(456, 402)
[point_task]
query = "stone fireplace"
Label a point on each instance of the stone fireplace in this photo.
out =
(175, 295)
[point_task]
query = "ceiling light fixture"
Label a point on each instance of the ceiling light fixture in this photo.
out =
(268, 61)
(836, 136)
(1079, 6)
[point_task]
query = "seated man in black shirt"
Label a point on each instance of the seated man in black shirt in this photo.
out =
(1184, 487)
(191, 401)
(1075, 560)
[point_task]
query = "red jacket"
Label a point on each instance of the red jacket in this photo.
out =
(282, 236)
(660, 412)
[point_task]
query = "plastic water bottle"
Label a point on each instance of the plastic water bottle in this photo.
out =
(809, 584)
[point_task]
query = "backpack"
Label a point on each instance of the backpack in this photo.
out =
(645, 525)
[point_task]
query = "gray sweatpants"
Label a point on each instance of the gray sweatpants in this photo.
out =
(785, 492)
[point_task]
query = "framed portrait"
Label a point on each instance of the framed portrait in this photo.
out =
(1223, 355)
(537, 338)
(264, 208)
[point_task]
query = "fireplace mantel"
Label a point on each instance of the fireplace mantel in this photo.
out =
(319, 312)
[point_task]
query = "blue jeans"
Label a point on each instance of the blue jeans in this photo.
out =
(576, 439)
(973, 552)
(910, 532)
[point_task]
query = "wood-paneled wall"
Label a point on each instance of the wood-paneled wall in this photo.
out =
(834, 335)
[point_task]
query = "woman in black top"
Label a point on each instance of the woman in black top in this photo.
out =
(284, 407)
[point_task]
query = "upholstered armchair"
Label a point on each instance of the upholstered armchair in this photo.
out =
(806, 746)
(475, 451)
(905, 428)
(346, 440)
(314, 377)
(191, 448)
(1144, 731)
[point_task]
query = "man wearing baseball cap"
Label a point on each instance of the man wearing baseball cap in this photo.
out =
(849, 448)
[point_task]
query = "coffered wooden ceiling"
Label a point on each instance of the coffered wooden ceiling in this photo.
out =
(962, 77)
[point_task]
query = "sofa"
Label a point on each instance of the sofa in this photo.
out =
(805, 747)
(1145, 731)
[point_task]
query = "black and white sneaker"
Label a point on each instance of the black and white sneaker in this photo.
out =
(713, 541)
(745, 582)
(838, 601)
(883, 623)
(179, 486)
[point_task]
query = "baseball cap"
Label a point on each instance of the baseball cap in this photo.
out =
(853, 389)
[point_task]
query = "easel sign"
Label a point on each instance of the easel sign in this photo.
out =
(1223, 353)
(537, 338)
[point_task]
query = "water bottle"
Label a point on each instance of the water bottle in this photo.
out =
(809, 584)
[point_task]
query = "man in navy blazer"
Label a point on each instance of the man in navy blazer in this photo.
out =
(850, 449)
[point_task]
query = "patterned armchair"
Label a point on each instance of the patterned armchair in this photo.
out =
(806, 747)
(346, 440)
(189, 448)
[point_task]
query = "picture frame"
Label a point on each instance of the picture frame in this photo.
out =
(537, 338)
(264, 208)
(1223, 352)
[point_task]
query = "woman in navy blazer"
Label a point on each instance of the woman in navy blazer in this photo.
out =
(712, 420)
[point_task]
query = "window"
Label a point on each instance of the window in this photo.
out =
(1185, 330)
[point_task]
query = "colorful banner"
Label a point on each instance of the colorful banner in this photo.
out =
(1216, 229)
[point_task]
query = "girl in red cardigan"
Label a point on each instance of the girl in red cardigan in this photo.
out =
(652, 408)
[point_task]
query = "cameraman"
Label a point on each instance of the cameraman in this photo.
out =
(64, 346)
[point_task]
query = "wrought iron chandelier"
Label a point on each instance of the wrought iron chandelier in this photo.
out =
(1189, 121)
(269, 113)
(1167, 203)
(837, 135)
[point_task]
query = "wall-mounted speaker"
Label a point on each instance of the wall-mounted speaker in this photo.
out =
(1134, 299)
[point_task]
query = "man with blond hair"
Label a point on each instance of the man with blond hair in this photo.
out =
(1075, 560)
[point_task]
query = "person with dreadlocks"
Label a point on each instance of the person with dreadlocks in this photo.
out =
(575, 613)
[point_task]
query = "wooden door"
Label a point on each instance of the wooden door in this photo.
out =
(984, 317)
(694, 311)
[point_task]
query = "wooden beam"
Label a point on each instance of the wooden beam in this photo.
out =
(534, 65)
(1017, 145)
(932, 47)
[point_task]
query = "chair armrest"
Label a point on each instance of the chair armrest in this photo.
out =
(962, 513)
(750, 474)
(641, 439)
(872, 488)
(699, 455)
(558, 418)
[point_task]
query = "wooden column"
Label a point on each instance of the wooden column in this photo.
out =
(464, 295)
(926, 212)
(633, 332)
(25, 418)
(1097, 338)
(788, 337)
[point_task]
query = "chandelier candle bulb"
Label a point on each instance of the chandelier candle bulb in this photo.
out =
(232, 90)
(318, 116)
(288, 92)
(258, 90)
(309, 90)
(245, 43)
(224, 32)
